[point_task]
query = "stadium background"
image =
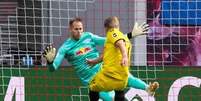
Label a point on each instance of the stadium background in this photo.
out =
(27, 26)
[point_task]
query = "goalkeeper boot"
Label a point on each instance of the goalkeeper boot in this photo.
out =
(152, 88)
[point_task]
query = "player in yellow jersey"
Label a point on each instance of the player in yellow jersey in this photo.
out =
(114, 74)
(116, 62)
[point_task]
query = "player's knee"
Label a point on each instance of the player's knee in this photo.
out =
(119, 96)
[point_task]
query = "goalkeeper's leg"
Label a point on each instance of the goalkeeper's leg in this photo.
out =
(139, 84)
(107, 96)
(136, 83)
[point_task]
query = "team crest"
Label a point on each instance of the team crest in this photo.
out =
(114, 35)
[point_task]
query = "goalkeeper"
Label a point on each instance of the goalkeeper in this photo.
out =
(82, 46)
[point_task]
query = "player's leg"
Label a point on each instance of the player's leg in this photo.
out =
(139, 84)
(107, 96)
(93, 96)
(136, 83)
(119, 96)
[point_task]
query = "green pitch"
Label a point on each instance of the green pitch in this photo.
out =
(63, 85)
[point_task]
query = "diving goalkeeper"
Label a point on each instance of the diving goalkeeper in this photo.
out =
(82, 46)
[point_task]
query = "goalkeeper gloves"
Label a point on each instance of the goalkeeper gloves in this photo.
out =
(140, 29)
(49, 53)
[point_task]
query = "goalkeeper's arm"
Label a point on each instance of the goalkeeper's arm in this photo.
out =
(138, 30)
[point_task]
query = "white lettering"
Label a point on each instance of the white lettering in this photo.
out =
(16, 83)
(179, 84)
(142, 93)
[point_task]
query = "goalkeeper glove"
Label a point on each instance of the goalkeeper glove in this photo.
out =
(140, 29)
(49, 53)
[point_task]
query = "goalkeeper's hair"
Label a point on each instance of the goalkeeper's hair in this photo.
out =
(111, 22)
(76, 19)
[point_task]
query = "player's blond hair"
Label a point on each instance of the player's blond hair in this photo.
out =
(111, 22)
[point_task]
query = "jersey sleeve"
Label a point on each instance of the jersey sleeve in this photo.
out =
(58, 59)
(98, 40)
(114, 35)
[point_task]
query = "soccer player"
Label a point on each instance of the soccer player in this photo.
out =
(116, 61)
(82, 46)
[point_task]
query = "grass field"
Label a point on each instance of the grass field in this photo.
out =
(63, 85)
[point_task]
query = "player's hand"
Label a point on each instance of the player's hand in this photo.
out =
(49, 53)
(124, 61)
(140, 29)
(92, 62)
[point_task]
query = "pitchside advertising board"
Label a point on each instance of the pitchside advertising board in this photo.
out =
(176, 84)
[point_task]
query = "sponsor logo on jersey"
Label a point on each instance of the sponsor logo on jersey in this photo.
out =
(82, 51)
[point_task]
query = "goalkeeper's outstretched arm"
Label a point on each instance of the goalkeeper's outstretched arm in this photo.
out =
(138, 30)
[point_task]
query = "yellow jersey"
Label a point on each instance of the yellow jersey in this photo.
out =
(112, 76)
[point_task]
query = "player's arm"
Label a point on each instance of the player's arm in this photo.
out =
(98, 40)
(53, 60)
(121, 45)
(138, 30)
(95, 61)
